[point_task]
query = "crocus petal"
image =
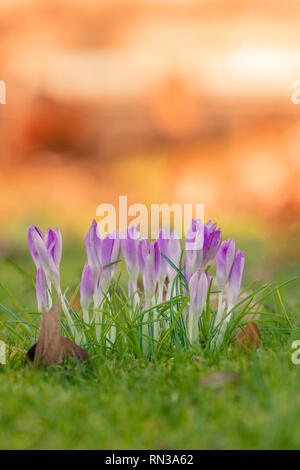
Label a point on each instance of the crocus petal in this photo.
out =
(106, 250)
(54, 244)
(211, 243)
(32, 231)
(194, 237)
(224, 260)
(143, 251)
(93, 248)
(110, 253)
(41, 289)
(86, 287)
(129, 245)
(155, 252)
(198, 287)
(236, 277)
(46, 261)
(149, 258)
(174, 254)
(57, 252)
(194, 246)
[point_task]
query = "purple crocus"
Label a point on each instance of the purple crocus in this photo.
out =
(224, 260)
(193, 246)
(109, 253)
(46, 253)
(86, 290)
(93, 248)
(129, 244)
(198, 287)
(174, 254)
(236, 277)
(54, 244)
(149, 260)
(211, 243)
(201, 245)
(32, 231)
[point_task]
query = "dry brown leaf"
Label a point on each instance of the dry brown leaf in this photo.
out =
(52, 348)
(220, 378)
(249, 337)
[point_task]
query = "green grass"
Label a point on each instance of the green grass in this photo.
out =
(120, 401)
(162, 405)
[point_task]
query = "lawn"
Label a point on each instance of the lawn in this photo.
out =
(172, 402)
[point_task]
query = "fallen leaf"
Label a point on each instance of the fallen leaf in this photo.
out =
(52, 348)
(249, 337)
(218, 379)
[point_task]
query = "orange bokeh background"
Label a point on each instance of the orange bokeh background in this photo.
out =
(163, 101)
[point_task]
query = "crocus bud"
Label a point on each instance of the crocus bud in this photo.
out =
(46, 253)
(236, 277)
(86, 287)
(110, 253)
(41, 289)
(211, 243)
(31, 244)
(174, 254)
(198, 287)
(129, 245)
(54, 244)
(224, 260)
(193, 246)
(93, 248)
(149, 259)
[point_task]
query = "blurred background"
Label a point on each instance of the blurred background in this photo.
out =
(183, 101)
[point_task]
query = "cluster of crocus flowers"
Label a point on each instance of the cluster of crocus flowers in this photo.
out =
(157, 262)
(141, 257)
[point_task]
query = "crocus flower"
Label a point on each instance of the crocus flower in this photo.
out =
(54, 244)
(198, 287)
(201, 245)
(224, 260)
(129, 244)
(46, 253)
(86, 290)
(110, 253)
(193, 246)
(93, 248)
(211, 243)
(32, 244)
(236, 277)
(174, 254)
(149, 259)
